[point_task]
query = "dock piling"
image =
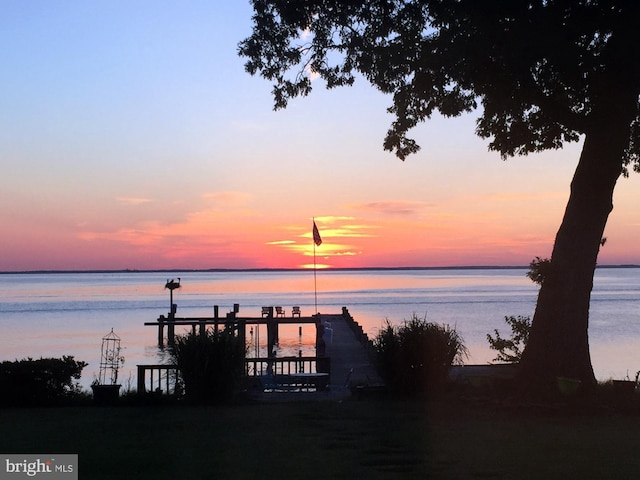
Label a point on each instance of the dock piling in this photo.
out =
(161, 331)
(171, 325)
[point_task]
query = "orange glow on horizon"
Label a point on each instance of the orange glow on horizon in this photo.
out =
(334, 231)
(347, 242)
(211, 237)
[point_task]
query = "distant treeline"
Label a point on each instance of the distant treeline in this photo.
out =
(353, 269)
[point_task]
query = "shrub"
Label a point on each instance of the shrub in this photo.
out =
(46, 381)
(211, 364)
(414, 358)
(510, 349)
(539, 270)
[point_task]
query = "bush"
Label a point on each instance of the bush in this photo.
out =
(539, 270)
(510, 349)
(211, 365)
(414, 358)
(47, 381)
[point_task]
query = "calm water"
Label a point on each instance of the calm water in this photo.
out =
(68, 314)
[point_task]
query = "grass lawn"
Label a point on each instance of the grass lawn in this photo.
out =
(381, 439)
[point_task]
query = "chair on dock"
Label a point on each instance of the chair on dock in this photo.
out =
(265, 312)
(279, 312)
(295, 311)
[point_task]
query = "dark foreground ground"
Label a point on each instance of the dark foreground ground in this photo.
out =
(366, 439)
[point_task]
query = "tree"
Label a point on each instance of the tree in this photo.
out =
(539, 73)
(510, 349)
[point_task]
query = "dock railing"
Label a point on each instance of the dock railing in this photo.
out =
(286, 365)
(290, 374)
(163, 378)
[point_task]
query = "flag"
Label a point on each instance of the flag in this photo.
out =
(316, 235)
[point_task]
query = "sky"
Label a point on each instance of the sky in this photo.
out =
(132, 138)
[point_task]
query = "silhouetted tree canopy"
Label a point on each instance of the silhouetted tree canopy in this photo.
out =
(542, 71)
(537, 73)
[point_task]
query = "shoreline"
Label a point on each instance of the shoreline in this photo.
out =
(267, 270)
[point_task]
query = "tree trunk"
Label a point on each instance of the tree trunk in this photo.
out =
(559, 344)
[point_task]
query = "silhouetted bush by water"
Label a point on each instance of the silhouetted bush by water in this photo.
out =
(510, 349)
(211, 365)
(414, 358)
(47, 381)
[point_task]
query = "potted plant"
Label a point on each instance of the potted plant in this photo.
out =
(104, 394)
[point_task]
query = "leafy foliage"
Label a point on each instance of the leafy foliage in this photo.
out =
(510, 350)
(539, 270)
(414, 358)
(210, 364)
(45, 381)
(555, 59)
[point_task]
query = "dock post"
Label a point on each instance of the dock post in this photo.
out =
(141, 379)
(161, 331)
(242, 334)
(171, 327)
(320, 344)
(171, 333)
(215, 317)
(271, 332)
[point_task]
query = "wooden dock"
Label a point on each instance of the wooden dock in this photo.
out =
(341, 346)
(350, 353)
(200, 324)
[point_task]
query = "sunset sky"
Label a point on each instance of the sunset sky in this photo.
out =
(131, 137)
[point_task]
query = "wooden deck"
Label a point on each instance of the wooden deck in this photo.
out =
(351, 363)
(348, 351)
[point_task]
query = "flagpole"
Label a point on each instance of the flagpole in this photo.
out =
(317, 241)
(315, 282)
